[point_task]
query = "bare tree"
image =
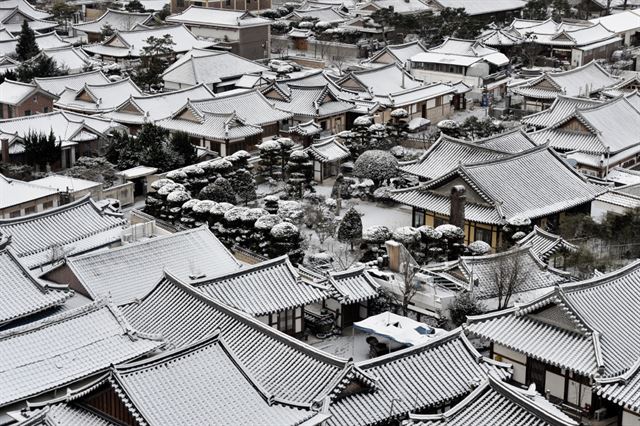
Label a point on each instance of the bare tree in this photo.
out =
(408, 286)
(509, 275)
(343, 257)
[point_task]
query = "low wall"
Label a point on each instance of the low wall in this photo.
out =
(123, 192)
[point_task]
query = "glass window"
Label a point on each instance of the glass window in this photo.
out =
(439, 221)
(14, 213)
(47, 205)
(30, 210)
(483, 235)
(27, 112)
(418, 217)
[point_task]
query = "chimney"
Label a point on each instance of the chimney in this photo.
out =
(5, 150)
(456, 215)
(393, 251)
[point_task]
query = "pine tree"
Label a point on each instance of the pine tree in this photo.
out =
(350, 228)
(219, 191)
(27, 46)
(40, 149)
(270, 158)
(244, 185)
(299, 173)
(181, 143)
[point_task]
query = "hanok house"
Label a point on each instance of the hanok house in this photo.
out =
(585, 82)
(71, 59)
(494, 400)
(548, 246)
(597, 137)
(478, 66)
(56, 85)
(564, 341)
(45, 41)
(622, 390)
(151, 391)
(351, 292)
(98, 98)
(77, 134)
(20, 99)
(272, 291)
(229, 122)
(118, 20)
(483, 197)
(327, 155)
(561, 108)
(625, 24)
(44, 238)
(318, 103)
(18, 198)
(236, 5)
(28, 294)
(126, 46)
(488, 277)
(409, 382)
(393, 87)
(397, 53)
(494, 11)
(13, 13)
(618, 201)
(59, 351)
(447, 153)
(246, 34)
(219, 71)
(138, 110)
(127, 273)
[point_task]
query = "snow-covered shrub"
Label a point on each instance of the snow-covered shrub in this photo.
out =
(518, 236)
(363, 120)
(160, 183)
(399, 113)
(376, 165)
(377, 234)
(177, 176)
(284, 231)
(268, 221)
(178, 197)
(291, 211)
(407, 235)
(220, 190)
(449, 231)
(479, 248)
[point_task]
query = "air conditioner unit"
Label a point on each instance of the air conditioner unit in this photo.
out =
(600, 414)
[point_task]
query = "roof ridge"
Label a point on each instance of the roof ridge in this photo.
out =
(276, 261)
(77, 203)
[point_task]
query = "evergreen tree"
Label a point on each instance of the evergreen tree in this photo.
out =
(39, 66)
(27, 46)
(219, 191)
(350, 228)
(244, 185)
(106, 31)
(270, 158)
(153, 60)
(299, 173)
(134, 6)
(40, 149)
(376, 165)
(181, 143)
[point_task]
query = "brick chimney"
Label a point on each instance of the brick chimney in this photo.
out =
(456, 215)
(5, 150)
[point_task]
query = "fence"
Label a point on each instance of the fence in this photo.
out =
(123, 192)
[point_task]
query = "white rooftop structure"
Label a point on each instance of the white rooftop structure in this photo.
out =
(208, 16)
(483, 7)
(57, 85)
(14, 92)
(397, 328)
(96, 98)
(45, 41)
(62, 183)
(461, 52)
(14, 192)
(119, 20)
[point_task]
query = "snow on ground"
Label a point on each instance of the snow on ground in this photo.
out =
(351, 344)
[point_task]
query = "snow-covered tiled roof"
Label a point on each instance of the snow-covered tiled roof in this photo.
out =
(306, 129)
(480, 272)
(212, 126)
(621, 199)
(562, 107)
(414, 95)
(57, 85)
(142, 109)
(509, 187)
(623, 389)
(328, 150)
(498, 38)
(13, 92)
(130, 43)
(21, 293)
(589, 327)
(62, 183)
(544, 243)
(62, 414)
(249, 105)
(37, 25)
(14, 192)
(69, 57)
(494, 402)
(311, 101)
(624, 176)
(447, 153)
(48, 354)
(474, 7)
(70, 229)
(581, 81)
(208, 16)
(458, 363)
(49, 40)
(403, 7)
(628, 20)
(461, 52)
(224, 392)
(209, 67)
(353, 285)
(323, 14)
(26, 8)
(267, 287)
(119, 20)
(129, 272)
(102, 97)
(401, 52)
(285, 367)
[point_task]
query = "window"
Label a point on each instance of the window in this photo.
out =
(35, 99)
(46, 110)
(1, 111)
(30, 210)
(27, 112)
(47, 205)
(14, 213)
(437, 221)
(483, 235)
(418, 217)
(228, 2)
(11, 112)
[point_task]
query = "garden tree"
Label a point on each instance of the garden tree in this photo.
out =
(357, 139)
(453, 240)
(106, 31)
(286, 240)
(286, 147)
(431, 243)
(63, 12)
(386, 18)
(474, 128)
(397, 127)
(516, 228)
(41, 149)
(134, 6)
(529, 51)
(220, 191)
(96, 169)
(270, 159)
(409, 286)
(150, 147)
(464, 304)
(271, 204)
(509, 276)
(376, 165)
(299, 173)
(350, 228)
(244, 185)
(39, 66)
(318, 216)
(181, 143)
(164, 12)
(154, 59)
(9, 75)
(536, 9)
(27, 46)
